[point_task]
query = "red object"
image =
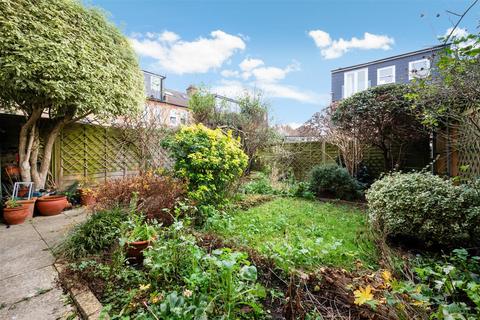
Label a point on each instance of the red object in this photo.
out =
(22, 192)
(30, 204)
(135, 249)
(87, 198)
(15, 215)
(12, 171)
(51, 205)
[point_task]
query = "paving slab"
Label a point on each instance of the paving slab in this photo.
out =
(28, 280)
(27, 285)
(50, 305)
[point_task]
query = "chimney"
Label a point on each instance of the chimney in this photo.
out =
(191, 90)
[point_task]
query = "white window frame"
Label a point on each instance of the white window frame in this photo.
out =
(411, 75)
(155, 83)
(355, 81)
(379, 82)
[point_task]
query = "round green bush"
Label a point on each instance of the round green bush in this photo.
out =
(333, 181)
(210, 160)
(424, 207)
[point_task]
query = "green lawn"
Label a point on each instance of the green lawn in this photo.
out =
(300, 233)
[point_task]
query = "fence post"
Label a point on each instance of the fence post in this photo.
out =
(324, 150)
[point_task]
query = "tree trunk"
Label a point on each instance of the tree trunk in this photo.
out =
(25, 143)
(40, 176)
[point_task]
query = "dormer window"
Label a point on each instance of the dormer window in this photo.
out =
(386, 75)
(418, 69)
(155, 83)
(355, 81)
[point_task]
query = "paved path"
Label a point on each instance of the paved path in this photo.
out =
(28, 280)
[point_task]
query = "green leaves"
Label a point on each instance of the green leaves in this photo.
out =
(210, 160)
(62, 56)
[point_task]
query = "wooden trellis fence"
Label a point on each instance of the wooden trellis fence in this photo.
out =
(98, 152)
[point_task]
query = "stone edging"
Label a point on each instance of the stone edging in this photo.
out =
(358, 204)
(86, 302)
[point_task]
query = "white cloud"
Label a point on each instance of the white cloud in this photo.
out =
(179, 56)
(169, 36)
(256, 75)
(250, 64)
(230, 73)
(458, 34)
(321, 38)
(331, 49)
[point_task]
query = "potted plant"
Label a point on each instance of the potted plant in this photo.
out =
(138, 235)
(14, 212)
(51, 205)
(30, 204)
(87, 192)
(87, 196)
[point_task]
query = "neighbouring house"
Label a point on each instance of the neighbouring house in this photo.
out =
(170, 106)
(400, 68)
(403, 68)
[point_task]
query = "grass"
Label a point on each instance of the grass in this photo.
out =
(301, 233)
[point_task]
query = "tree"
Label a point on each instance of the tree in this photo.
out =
(453, 97)
(249, 122)
(62, 61)
(380, 116)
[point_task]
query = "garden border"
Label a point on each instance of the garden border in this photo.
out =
(358, 204)
(87, 303)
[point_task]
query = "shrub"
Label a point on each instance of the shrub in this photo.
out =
(260, 184)
(157, 194)
(421, 206)
(96, 234)
(334, 181)
(209, 159)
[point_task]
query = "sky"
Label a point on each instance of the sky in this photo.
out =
(284, 49)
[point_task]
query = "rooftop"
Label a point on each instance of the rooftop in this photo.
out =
(403, 55)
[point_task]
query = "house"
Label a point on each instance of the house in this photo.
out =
(168, 106)
(400, 68)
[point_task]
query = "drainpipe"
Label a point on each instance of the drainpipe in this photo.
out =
(448, 147)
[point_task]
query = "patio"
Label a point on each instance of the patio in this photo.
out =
(27, 276)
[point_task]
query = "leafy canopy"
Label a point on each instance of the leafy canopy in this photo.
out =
(61, 56)
(380, 116)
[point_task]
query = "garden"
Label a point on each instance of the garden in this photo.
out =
(202, 241)
(227, 231)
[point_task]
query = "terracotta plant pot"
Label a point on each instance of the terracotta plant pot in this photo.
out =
(87, 198)
(30, 204)
(15, 215)
(51, 205)
(135, 249)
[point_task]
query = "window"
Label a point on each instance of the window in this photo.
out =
(418, 69)
(173, 118)
(183, 117)
(355, 81)
(155, 83)
(386, 75)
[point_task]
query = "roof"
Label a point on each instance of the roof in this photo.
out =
(403, 55)
(175, 97)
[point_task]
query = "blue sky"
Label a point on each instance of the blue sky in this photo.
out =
(285, 48)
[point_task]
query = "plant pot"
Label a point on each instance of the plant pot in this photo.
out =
(135, 249)
(30, 204)
(87, 198)
(15, 215)
(51, 205)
